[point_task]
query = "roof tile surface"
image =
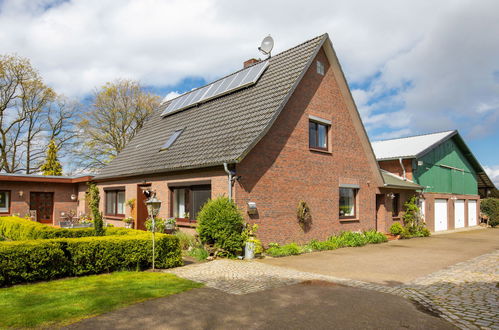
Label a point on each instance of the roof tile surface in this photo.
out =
(220, 130)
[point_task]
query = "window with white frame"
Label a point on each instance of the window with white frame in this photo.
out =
(347, 202)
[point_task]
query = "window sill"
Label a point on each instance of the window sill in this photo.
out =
(324, 151)
(191, 224)
(114, 217)
(349, 220)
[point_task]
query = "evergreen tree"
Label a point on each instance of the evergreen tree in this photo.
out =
(52, 166)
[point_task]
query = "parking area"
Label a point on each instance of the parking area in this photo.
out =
(396, 262)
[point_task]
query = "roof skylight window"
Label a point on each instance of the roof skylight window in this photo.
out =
(172, 139)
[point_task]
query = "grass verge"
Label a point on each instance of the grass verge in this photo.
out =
(65, 301)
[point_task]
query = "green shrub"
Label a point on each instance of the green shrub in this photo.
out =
(490, 207)
(396, 229)
(186, 240)
(199, 253)
(285, 250)
(315, 245)
(36, 260)
(19, 229)
(348, 238)
(425, 232)
(220, 224)
(374, 237)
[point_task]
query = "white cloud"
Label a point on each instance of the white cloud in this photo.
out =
(493, 173)
(435, 66)
(171, 95)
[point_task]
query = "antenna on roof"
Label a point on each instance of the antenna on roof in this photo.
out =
(267, 45)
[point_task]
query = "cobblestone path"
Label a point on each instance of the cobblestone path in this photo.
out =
(465, 294)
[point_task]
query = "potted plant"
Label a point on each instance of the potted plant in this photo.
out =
(128, 222)
(170, 224)
(253, 245)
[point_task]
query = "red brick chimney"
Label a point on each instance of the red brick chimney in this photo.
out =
(249, 62)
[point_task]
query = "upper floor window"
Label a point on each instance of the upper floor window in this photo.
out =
(115, 202)
(320, 68)
(318, 133)
(4, 201)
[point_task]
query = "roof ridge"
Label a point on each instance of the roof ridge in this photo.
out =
(411, 136)
(244, 68)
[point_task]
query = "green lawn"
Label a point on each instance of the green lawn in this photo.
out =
(66, 301)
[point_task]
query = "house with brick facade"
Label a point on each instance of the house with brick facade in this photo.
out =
(451, 178)
(48, 199)
(279, 131)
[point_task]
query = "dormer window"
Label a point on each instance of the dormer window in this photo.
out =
(172, 139)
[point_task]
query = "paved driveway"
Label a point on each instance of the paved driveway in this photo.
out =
(396, 262)
(452, 275)
(299, 306)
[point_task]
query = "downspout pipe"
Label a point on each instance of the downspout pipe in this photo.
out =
(229, 180)
(403, 169)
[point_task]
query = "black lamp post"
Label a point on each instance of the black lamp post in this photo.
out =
(153, 206)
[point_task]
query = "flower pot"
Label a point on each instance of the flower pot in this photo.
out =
(249, 250)
(128, 225)
(170, 226)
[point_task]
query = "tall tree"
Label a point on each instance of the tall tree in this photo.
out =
(118, 112)
(31, 115)
(52, 166)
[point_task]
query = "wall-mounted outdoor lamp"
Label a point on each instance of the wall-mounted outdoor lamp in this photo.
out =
(21, 193)
(73, 197)
(252, 208)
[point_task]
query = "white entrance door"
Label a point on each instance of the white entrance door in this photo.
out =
(440, 214)
(422, 210)
(459, 213)
(471, 213)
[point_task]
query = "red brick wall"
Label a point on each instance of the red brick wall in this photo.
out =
(281, 170)
(393, 166)
(385, 216)
(216, 176)
(62, 196)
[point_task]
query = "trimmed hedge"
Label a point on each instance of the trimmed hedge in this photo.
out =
(19, 229)
(36, 260)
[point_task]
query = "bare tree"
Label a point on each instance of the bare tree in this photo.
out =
(31, 115)
(16, 74)
(118, 112)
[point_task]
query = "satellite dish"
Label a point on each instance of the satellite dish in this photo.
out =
(267, 45)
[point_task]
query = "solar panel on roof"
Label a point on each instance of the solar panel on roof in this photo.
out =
(225, 85)
(255, 73)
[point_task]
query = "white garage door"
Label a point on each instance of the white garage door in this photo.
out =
(471, 213)
(459, 214)
(440, 214)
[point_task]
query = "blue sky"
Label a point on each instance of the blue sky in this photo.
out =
(413, 67)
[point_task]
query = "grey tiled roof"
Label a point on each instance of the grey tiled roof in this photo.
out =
(220, 130)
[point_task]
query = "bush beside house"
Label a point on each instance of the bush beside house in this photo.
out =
(490, 207)
(220, 225)
(34, 260)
